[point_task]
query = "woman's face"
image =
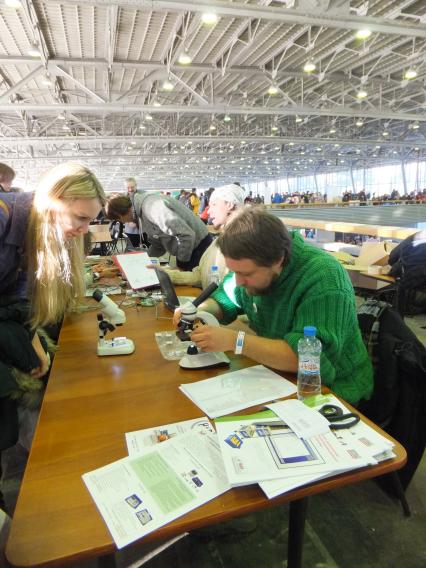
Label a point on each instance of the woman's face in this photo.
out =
(219, 211)
(74, 215)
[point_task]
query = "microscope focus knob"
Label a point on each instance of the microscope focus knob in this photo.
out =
(192, 349)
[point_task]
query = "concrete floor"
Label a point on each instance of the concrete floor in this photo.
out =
(353, 527)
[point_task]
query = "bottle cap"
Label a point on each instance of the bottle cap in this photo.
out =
(310, 331)
(215, 268)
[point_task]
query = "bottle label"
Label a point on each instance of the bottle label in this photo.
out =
(309, 367)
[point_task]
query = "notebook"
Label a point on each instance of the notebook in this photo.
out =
(171, 299)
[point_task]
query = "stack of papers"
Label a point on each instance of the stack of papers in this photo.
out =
(133, 265)
(174, 468)
(235, 391)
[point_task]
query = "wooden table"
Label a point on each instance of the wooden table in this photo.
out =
(89, 404)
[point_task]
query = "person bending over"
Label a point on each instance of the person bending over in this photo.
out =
(171, 227)
(283, 284)
(41, 259)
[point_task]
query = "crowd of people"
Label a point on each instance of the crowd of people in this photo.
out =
(394, 195)
(296, 198)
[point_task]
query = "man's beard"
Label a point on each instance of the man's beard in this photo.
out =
(263, 291)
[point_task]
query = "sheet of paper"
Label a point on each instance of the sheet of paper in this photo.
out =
(140, 439)
(237, 390)
(358, 441)
(304, 421)
(136, 495)
(257, 447)
(134, 267)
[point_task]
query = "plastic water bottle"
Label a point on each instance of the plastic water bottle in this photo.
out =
(308, 375)
(214, 275)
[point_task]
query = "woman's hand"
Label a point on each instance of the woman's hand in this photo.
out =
(44, 358)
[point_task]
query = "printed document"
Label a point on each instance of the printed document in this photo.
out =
(140, 439)
(261, 447)
(134, 267)
(237, 390)
(137, 495)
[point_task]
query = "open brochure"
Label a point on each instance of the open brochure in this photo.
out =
(137, 495)
(134, 267)
(359, 440)
(261, 446)
(237, 390)
(139, 440)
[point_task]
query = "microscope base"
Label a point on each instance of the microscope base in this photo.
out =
(204, 360)
(116, 346)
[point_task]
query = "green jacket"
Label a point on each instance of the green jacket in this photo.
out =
(312, 289)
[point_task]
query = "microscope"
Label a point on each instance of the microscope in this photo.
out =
(110, 317)
(194, 358)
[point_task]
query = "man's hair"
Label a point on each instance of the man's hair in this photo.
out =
(128, 180)
(257, 235)
(117, 206)
(7, 174)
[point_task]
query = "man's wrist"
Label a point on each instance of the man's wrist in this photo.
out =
(239, 342)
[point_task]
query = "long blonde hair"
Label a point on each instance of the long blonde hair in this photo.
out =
(54, 264)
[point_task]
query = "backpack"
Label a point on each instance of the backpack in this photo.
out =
(398, 402)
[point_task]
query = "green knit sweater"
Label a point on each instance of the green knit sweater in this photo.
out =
(312, 289)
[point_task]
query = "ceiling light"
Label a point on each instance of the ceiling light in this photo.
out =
(142, 127)
(309, 67)
(385, 133)
(226, 118)
(273, 90)
(415, 126)
(410, 74)
(47, 81)
(318, 149)
(156, 104)
(291, 143)
(184, 58)
(148, 117)
(416, 148)
(359, 122)
(209, 18)
(361, 94)
(168, 85)
(66, 127)
(212, 127)
(61, 116)
(363, 34)
(298, 119)
(13, 4)
(377, 147)
(332, 131)
(34, 50)
(274, 128)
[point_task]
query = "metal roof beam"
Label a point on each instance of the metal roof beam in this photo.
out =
(276, 14)
(272, 140)
(21, 83)
(105, 108)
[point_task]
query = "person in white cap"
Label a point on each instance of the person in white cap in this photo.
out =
(223, 202)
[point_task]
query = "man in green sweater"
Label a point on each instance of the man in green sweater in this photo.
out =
(282, 285)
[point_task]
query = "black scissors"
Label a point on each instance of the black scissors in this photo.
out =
(338, 420)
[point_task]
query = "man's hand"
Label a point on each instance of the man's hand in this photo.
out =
(209, 338)
(44, 357)
(176, 316)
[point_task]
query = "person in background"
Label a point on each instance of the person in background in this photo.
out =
(131, 228)
(224, 201)
(171, 227)
(204, 206)
(7, 175)
(283, 284)
(41, 256)
(194, 201)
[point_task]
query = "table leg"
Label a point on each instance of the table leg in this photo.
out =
(296, 532)
(107, 561)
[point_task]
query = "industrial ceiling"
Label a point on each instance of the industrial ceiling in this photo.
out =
(204, 92)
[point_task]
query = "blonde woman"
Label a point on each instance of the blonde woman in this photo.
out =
(41, 260)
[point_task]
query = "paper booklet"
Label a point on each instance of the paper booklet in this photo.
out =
(137, 495)
(134, 267)
(260, 447)
(235, 391)
(140, 439)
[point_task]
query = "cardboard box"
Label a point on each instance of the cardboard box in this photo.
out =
(375, 253)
